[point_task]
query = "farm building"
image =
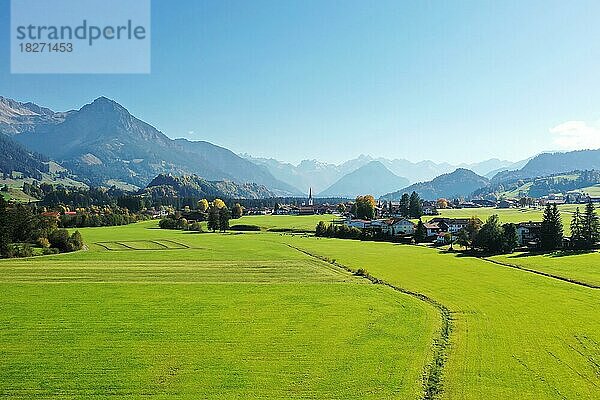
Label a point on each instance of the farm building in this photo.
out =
(528, 232)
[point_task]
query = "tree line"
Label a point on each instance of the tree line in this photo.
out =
(215, 213)
(21, 230)
(411, 206)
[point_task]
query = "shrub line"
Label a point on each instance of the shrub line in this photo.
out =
(546, 274)
(433, 374)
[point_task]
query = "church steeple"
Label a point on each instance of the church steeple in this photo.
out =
(310, 198)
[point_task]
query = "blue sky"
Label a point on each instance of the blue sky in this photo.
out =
(456, 81)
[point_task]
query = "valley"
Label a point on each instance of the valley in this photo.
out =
(178, 314)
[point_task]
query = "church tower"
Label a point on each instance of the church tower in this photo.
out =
(310, 198)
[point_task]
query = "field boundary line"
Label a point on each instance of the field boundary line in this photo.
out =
(163, 246)
(432, 376)
(184, 246)
(546, 274)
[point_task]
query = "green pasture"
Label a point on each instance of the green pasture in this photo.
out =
(581, 266)
(284, 222)
(146, 312)
(516, 335)
(209, 316)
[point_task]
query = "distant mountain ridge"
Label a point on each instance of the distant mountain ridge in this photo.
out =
(102, 141)
(320, 175)
(373, 178)
(16, 117)
(460, 183)
(546, 164)
(196, 187)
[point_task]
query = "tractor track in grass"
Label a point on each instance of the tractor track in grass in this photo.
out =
(433, 374)
(546, 274)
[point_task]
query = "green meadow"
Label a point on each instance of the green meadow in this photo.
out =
(582, 266)
(145, 312)
(515, 335)
(284, 222)
(167, 314)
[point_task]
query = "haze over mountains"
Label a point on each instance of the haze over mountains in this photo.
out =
(103, 144)
(373, 178)
(320, 175)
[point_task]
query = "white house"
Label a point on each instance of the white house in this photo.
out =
(398, 227)
(358, 223)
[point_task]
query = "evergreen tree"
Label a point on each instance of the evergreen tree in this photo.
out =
(5, 230)
(224, 216)
(213, 221)
(577, 238)
(405, 205)
(415, 208)
(551, 231)
(420, 232)
(590, 226)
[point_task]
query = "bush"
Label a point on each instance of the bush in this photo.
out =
(49, 251)
(75, 241)
(195, 226)
(248, 228)
(60, 240)
(168, 223)
(43, 242)
(18, 250)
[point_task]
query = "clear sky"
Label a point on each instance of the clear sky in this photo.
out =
(455, 81)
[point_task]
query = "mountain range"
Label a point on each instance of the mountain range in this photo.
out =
(102, 141)
(102, 144)
(319, 175)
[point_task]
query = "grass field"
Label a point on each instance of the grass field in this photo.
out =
(205, 316)
(170, 314)
(516, 335)
(583, 267)
(291, 222)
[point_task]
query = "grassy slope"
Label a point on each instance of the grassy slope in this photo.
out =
(516, 334)
(584, 267)
(295, 222)
(232, 316)
(592, 190)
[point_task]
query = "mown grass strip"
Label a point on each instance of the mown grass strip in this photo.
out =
(546, 274)
(433, 374)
